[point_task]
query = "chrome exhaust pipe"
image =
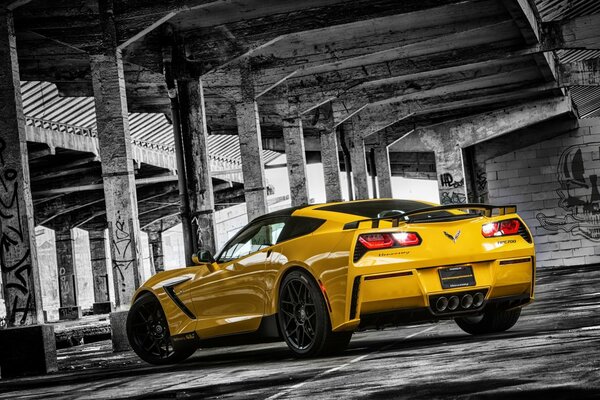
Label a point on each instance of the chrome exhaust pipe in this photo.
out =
(453, 303)
(477, 299)
(441, 304)
(466, 301)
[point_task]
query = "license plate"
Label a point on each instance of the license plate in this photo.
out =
(454, 277)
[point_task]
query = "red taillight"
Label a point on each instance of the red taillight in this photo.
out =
(385, 240)
(407, 238)
(376, 240)
(506, 227)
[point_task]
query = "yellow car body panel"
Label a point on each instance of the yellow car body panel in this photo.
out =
(235, 296)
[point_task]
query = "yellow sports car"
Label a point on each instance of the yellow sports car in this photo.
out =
(313, 275)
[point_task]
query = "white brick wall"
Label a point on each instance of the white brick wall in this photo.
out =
(529, 178)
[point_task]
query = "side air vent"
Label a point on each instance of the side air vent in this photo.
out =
(524, 234)
(359, 251)
(354, 300)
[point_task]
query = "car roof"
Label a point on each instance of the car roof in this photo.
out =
(343, 210)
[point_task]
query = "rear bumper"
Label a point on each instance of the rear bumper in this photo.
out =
(408, 294)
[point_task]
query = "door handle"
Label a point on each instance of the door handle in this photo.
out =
(269, 252)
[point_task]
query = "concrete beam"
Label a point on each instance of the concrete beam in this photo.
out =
(580, 73)
(580, 33)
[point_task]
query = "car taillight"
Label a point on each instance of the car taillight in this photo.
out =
(506, 227)
(407, 238)
(386, 240)
(376, 240)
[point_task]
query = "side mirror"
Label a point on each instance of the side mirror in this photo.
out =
(205, 257)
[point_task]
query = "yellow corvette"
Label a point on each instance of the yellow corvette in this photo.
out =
(313, 275)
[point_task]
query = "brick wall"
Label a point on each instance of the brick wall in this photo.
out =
(555, 185)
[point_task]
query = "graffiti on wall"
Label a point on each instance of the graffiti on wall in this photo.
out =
(451, 190)
(577, 175)
(124, 253)
(15, 254)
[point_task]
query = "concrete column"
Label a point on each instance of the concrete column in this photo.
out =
(156, 250)
(32, 347)
(293, 138)
(67, 275)
(117, 173)
(358, 160)
(331, 163)
(383, 169)
(451, 173)
(200, 190)
(100, 260)
(251, 147)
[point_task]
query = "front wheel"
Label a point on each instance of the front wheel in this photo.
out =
(491, 321)
(304, 318)
(148, 333)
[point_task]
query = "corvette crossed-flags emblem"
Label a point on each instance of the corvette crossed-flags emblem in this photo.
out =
(453, 238)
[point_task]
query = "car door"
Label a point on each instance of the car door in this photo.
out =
(232, 299)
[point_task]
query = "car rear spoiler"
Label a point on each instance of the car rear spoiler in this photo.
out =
(395, 219)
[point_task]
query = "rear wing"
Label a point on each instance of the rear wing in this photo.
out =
(405, 217)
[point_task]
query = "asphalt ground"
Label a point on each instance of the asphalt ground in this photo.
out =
(553, 353)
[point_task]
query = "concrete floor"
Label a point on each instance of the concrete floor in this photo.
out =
(552, 352)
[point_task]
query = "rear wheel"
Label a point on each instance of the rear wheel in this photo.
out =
(491, 321)
(148, 333)
(304, 318)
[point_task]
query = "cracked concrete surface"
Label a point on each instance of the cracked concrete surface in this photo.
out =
(552, 352)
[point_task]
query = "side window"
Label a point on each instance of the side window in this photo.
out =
(299, 226)
(256, 238)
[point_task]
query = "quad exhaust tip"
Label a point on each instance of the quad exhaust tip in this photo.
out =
(465, 302)
(453, 303)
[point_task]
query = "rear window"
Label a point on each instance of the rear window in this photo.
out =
(384, 208)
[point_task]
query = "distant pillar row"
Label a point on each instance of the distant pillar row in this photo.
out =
(199, 183)
(27, 346)
(67, 275)
(251, 153)
(100, 261)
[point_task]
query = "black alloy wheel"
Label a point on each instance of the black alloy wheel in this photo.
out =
(304, 318)
(148, 333)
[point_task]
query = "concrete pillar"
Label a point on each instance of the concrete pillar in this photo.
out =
(331, 162)
(383, 169)
(156, 250)
(358, 161)
(200, 190)
(100, 260)
(251, 147)
(67, 275)
(117, 173)
(293, 138)
(451, 173)
(32, 348)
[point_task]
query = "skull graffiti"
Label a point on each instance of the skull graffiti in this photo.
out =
(578, 192)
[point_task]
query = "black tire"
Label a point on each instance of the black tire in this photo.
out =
(148, 333)
(492, 321)
(304, 319)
